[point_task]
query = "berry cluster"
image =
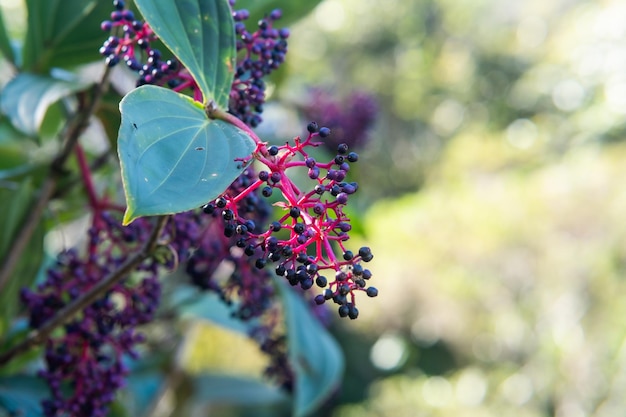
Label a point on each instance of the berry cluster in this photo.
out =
(302, 244)
(134, 49)
(88, 355)
(273, 342)
(259, 54)
(349, 118)
(247, 288)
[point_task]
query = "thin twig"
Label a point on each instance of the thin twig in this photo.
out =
(70, 135)
(62, 316)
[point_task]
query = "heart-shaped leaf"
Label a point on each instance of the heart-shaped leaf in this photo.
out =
(313, 354)
(173, 157)
(202, 36)
(27, 97)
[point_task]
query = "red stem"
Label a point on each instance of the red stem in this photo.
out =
(87, 178)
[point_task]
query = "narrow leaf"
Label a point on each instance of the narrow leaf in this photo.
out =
(313, 354)
(27, 97)
(200, 33)
(5, 42)
(51, 25)
(173, 157)
(15, 203)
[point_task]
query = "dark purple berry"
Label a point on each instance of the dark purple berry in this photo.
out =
(371, 292)
(294, 212)
(324, 132)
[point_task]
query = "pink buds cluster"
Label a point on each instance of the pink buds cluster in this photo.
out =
(306, 245)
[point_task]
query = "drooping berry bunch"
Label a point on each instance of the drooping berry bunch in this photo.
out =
(249, 289)
(259, 54)
(84, 362)
(218, 264)
(349, 118)
(87, 357)
(273, 342)
(303, 245)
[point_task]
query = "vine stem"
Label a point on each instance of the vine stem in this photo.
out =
(70, 135)
(62, 316)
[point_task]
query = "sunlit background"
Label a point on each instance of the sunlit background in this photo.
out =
(496, 172)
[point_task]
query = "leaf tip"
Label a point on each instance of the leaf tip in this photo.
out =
(129, 217)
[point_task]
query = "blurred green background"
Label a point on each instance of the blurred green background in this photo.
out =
(492, 195)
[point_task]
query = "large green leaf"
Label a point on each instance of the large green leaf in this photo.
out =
(27, 97)
(62, 33)
(20, 395)
(5, 43)
(201, 34)
(223, 389)
(144, 386)
(313, 354)
(173, 157)
(206, 306)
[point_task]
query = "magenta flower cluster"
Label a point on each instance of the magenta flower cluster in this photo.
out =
(307, 244)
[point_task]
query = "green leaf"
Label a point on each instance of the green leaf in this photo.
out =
(14, 147)
(109, 114)
(207, 306)
(201, 34)
(15, 206)
(5, 42)
(225, 389)
(173, 157)
(292, 11)
(313, 354)
(54, 25)
(142, 388)
(21, 395)
(27, 97)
